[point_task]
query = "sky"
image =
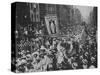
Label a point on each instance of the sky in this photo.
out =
(85, 11)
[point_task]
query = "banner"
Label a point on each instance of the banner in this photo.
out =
(51, 24)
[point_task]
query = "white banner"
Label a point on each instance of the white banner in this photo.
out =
(51, 24)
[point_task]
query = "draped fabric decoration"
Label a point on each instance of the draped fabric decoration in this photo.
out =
(34, 12)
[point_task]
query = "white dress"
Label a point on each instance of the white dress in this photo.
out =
(59, 54)
(52, 27)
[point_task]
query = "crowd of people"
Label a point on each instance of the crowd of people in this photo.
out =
(50, 53)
